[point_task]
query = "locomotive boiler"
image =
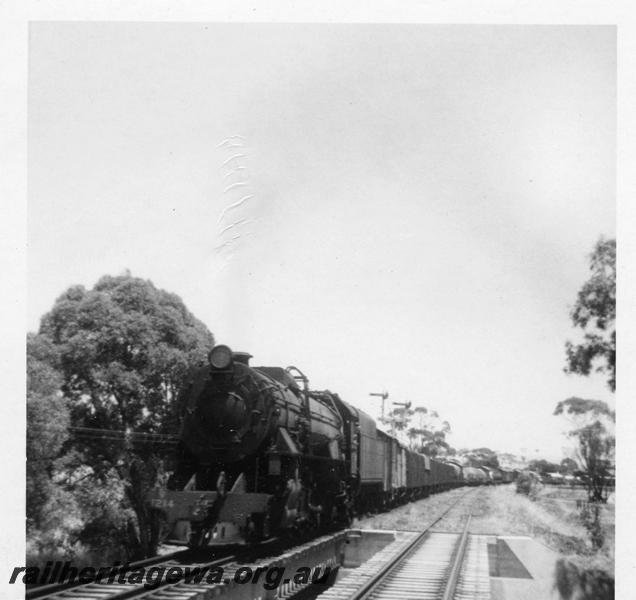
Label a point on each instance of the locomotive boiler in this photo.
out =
(259, 454)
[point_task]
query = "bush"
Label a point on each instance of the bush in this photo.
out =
(590, 515)
(572, 581)
(528, 484)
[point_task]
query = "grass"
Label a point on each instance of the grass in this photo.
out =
(552, 519)
(414, 516)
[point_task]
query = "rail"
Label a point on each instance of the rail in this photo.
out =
(119, 591)
(323, 552)
(453, 577)
(371, 586)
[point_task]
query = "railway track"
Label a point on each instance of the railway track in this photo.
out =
(428, 569)
(123, 591)
(192, 580)
(433, 566)
(48, 591)
(420, 567)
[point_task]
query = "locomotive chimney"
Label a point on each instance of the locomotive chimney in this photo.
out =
(242, 357)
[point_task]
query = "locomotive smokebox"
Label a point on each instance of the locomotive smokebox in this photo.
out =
(223, 415)
(228, 409)
(235, 411)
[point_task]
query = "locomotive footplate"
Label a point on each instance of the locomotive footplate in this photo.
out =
(194, 507)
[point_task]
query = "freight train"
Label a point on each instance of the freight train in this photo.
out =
(261, 455)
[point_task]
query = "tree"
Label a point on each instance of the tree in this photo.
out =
(47, 427)
(125, 349)
(594, 421)
(54, 515)
(482, 457)
(429, 435)
(594, 425)
(398, 418)
(528, 484)
(568, 466)
(595, 313)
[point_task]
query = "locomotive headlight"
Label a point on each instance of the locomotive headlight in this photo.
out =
(220, 357)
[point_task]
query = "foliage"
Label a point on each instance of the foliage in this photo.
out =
(123, 350)
(481, 457)
(398, 418)
(427, 435)
(573, 582)
(594, 424)
(108, 523)
(528, 484)
(591, 517)
(53, 514)
(593, 420)
(595, 313)
(47, 428)
(568, 466)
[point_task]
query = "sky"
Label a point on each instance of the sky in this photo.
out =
(408, 208)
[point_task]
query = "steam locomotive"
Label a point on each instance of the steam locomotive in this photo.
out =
(261, 455)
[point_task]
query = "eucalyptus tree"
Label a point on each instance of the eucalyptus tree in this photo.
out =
(595, 313)
(124, 350)
(594, 421)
